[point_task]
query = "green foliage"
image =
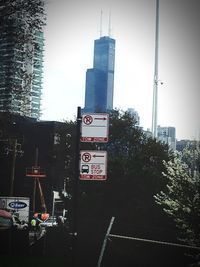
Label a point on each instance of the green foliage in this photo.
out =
(137, 154)
(135, 166)
(181, 197)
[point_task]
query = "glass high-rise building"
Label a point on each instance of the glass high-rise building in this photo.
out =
(21, 58)
(100, 79)
(167, 135)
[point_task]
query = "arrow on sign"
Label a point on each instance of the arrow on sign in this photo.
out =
(101, 119)
(98, 156)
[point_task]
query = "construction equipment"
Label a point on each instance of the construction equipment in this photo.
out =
(43, 204)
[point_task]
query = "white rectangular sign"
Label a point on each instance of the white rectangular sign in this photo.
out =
(94, 127)
(93, 165)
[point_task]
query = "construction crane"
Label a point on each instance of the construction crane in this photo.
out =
(36, 173)
(43, 204)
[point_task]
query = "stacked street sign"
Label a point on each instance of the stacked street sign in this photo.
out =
(93, 164)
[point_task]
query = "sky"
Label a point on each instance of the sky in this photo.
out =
(72, 26)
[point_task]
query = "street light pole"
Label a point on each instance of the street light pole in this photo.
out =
(155, 82)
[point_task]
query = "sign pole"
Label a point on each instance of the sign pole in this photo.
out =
(75, 185)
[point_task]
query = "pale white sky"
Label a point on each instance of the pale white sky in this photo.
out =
(72, 27)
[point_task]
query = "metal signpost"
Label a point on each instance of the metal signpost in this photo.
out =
(89, 165)
(94, 127)
(93, 165)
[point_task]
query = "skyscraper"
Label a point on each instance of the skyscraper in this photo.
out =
(100, 79)
(21, 56)
(167, 135)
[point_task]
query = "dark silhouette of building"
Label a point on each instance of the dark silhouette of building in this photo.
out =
(100, 79)
(49, 138)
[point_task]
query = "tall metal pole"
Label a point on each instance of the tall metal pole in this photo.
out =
(105, 241)
(75, 186)
(155, 82)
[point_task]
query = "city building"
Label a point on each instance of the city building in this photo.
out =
(167, 135)
(21, 58)
(100, 79)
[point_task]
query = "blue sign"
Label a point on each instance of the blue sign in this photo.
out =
(17, 205)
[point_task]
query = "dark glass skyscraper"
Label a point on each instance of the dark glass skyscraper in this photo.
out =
(100, 79)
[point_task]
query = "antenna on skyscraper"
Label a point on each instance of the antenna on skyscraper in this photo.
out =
(109, 24)
(101, 23)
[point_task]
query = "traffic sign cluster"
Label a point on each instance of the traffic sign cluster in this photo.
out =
(93, 164)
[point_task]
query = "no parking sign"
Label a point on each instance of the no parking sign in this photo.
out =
(95, 127)
(93, 165)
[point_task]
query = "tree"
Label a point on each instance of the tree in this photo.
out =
(181, 197)
(134, 169)
(135, 165)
